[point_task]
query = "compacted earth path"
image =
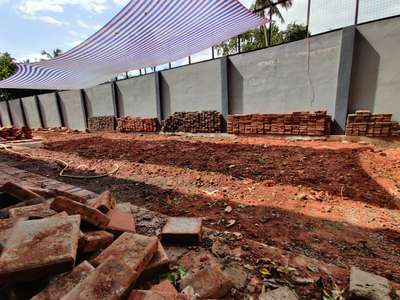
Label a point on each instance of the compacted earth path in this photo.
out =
(331, 201)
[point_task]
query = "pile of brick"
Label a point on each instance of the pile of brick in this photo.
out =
(131, 124)
(45, 233)
(58, 129)
(103, 123)
(12, 133)
(364, 123)
(296, 123)
(193, 122)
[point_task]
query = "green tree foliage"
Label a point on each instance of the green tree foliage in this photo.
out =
(255, 39)
(56, 52)
(7, 65)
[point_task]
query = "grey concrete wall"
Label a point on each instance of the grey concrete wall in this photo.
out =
(31, 112)
(298, 76)
(49, 109)
(194, 88)
(73, 109)
(16, 113)
(4, 116)
(375, 81)
(139, 97)
(99, 101)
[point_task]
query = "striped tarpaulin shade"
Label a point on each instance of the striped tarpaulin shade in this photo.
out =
(144, 33)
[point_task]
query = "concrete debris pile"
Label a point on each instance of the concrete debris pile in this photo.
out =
(296, 123)
(12, 133)
(103, 123)
(364, 123)
(193, 122)
(132, 124)
(58, 129)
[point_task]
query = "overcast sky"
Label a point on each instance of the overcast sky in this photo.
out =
(28, 26)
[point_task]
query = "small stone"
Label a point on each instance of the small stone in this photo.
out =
(182, 231)
(368, 286)
(283, 293)
(231, 223)
(62, 284)
(228, 209)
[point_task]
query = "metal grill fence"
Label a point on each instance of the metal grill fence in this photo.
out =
(318, 16)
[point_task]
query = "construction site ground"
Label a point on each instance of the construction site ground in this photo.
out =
(318, 204)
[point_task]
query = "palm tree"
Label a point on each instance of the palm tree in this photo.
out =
(56, 52)
(273, 9)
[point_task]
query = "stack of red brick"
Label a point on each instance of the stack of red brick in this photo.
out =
(193, 122)
(48, 231)
(12, 133)
(132, 124)
(296, 123)
(103, 123)
(364, 123)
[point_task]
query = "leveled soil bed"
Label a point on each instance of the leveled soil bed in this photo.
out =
(335, 202)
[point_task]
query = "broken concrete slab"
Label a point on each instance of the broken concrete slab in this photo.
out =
(63, 284)
(112, 280)
(18, 191)
(37, 211)
(134, 250)
(208, 283)
(283, 293)
(181, 230)
(365, 285)
(88, 214)
(104, 202)
(95, 240)
(120, 221)
(39, 248)
(158, 265)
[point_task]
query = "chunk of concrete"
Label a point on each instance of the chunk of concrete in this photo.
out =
(37, 211)
(158, 265)
(135, 250)
(182, 230)
(208, 283)
(104, 203)
(112, 280)
(63, 284)
(120, 221)
(95, 240)
(369, 286)
(88, 214)
(39, 248)
(282, 293)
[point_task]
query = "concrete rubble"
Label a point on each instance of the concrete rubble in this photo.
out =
(95, 248)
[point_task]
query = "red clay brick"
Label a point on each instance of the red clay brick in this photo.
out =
(165, 287)
(18, 191)
(38, 211)
(135, 250)
(182, 231)
(88, 214)
(95, 240)
(149, 295)
(104, 203)
(120, 221)
(112, 280)
(159, 264)
(40, 248)
(64, 283)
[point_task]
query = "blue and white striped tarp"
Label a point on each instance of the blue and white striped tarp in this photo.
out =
(144, 33)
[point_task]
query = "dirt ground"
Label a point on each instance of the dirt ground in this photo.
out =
(332, 201)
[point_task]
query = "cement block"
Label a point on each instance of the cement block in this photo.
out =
(120, 221)
(88, 214)
(135, 250)
(62, 284)
(38, 211)
(39, 248)
(72, 109)
(95, 240)
(4, 116)
(99, 101)
(16, 113)
(182, 230)
(111, 280)
(50, 111)
(31, 112)
(365, 285)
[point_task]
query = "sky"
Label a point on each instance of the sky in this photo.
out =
(29, 26)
